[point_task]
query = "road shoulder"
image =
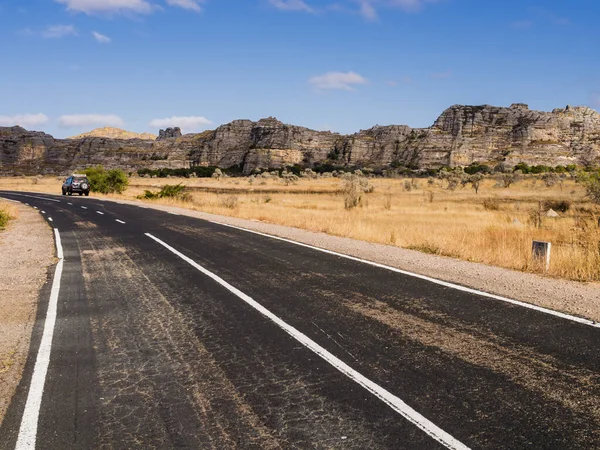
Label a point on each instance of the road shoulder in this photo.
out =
(26, 252)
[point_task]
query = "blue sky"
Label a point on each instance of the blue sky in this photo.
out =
(68, 66)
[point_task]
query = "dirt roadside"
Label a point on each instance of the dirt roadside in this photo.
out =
(26, 251)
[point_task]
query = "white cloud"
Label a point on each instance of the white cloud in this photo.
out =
(338, 80)
(24, 120)
(367, 10)
(292, 5)
(89, 120)
(188, 123)
(368, 7)
(58, 31)
(193, 5)
(101, 38)
(108, 6)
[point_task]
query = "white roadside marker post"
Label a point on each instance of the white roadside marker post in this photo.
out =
(541, 252)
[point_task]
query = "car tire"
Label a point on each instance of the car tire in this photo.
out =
(70, 192)
(87, 194)
(63, 192)
(80, 194)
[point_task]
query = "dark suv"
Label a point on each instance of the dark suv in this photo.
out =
(76, 183)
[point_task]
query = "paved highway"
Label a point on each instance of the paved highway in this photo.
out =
(164, 331)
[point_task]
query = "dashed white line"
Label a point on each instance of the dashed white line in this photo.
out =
(387, 397)
(43, 212)
(458, 287)
(70, 204)
(29, 422)
(174, 213)
(120, 221)
(84, 207)
(50, 219)
(99, 212)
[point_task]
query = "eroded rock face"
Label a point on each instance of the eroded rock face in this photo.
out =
(169, 133)
(460, 136)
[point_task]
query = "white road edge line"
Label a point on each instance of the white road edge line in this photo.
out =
(50, 219)
(387, 397)
(458, 287)
(174, 213)
(120, 221)
(43, 212)
(29, 422)
(100, 212)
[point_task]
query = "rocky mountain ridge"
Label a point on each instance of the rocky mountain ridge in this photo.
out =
(115, 133)
(460, 136)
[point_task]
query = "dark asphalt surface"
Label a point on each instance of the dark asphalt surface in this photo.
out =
(150, 353)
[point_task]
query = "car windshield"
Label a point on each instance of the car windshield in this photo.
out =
(79, 180)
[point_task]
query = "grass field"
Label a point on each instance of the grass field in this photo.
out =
(495, 226)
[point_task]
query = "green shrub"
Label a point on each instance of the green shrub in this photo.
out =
(4, 218)
(167, 191)
(106, 182)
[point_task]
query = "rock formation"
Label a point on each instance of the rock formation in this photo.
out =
(115, 133)
(460, 136)
(169, 133)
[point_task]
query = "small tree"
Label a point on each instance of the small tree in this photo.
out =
(475, 181)
(592, 187)
(106, 182)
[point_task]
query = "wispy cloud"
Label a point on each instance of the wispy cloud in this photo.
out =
(108, 6)
(368, 8)
(89, 120)
(441, 75)
(58, 31)
(292, 5)
(193, 5)
(551, 16)
(187, 123)
(24, 120)
(338, 80)
(101, 38)
(522, 24)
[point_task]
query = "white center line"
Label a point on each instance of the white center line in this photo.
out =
(101, 213)
(84, 207)
(71, 204)
(29, 422)
(384, 395)
(120, 221)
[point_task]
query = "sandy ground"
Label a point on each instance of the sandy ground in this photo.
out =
(580, 299)
(26, 251)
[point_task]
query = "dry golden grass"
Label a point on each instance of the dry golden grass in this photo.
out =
(428, 218)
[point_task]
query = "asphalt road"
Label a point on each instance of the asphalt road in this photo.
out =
(173, 332)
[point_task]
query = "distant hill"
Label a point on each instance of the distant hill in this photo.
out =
(115, 133)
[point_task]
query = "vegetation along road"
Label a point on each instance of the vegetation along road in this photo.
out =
(165, 331)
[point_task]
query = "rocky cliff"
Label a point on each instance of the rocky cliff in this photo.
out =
(460, 136)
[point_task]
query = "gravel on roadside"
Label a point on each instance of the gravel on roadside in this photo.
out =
(26, 252)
